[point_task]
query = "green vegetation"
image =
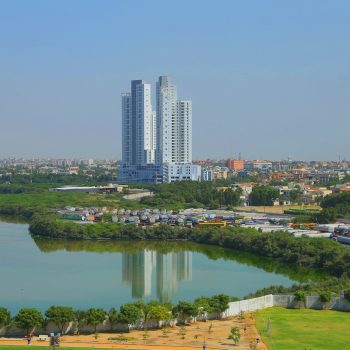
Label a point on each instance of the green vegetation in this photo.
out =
(184, 311)
(333, 206)
(294, 329)
(26, 183)
(263, 195)
(60, 316)
(235, 335)
(112, 317)
(28, 204)
(340, 203)
(136, 313)
(156, 312)
(5, 317)
(297, 273)
(187, 194)
(94, 317)
(130, 313)
(300, 298)
(322, 254)
(28, 318)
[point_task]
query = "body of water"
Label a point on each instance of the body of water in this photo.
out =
(40, 273)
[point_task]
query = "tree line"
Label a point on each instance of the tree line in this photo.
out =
(192, 194)
(142, 314)
(323, 254)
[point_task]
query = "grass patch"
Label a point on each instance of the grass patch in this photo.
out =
(294, 329)
(122, 338)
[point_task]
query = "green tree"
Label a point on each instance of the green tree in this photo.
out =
(5, 317)
(158, 313)
(80, 319)
(300, 298)
(235, 335)
(60, 316)
(219, 303)
(112, 317)
(326, 216)
(203, 307)
(347, 295)
(29, 318)
(185, 310)
(130, 314)
(263, 195)
(325, 298)
(94, 317)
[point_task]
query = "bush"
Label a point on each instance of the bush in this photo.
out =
(300, 297)
(347, 295)
(325, 297)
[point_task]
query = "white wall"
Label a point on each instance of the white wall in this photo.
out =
(248, 305)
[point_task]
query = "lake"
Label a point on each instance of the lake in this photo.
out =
(39, 273)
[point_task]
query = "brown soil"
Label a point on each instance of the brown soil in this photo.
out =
(214, 333)
(274, 209)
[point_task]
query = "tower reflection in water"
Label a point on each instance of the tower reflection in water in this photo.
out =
(169, 270)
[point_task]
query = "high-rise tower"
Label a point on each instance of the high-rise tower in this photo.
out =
(174, 134)
(137, 125)
(139, 136)
(157, 147)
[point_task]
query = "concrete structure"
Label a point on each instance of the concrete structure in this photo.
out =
(179, 172)
(138, 119)
(258, 164)
(138, 136)
(90, 189)
(235, 164)
(235, 308)
(207, 174)
(157, 147)
(174, 134)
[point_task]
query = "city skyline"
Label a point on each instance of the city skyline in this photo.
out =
(269, 80)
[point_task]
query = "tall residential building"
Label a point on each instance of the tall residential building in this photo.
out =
(138, 124)
(157, 147)
(174, 134)
(139, 136)
(166, 118)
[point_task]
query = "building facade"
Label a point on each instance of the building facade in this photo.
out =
(235, 164)
(156, 146)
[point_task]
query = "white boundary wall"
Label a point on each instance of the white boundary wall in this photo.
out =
(249, 305)
(284, 300)
(235, 308)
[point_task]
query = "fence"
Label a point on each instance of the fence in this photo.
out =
(234, 309)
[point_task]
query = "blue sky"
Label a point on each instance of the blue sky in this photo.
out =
(269, 79)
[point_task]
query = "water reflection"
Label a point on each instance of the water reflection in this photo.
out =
(168, 269)
(156, 269)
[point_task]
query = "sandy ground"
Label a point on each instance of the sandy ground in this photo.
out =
(214, 333)
(274, 209)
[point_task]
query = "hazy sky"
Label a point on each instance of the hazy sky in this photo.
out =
(269, 79)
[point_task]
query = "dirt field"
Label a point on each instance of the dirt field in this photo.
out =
(214, 333)
(275, 209)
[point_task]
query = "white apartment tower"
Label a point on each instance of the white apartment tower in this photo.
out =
(183, 132)
(174, 125)
(174, 134)
(138, 125)
(157, 146)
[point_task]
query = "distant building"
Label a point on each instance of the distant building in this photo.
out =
(258, 165)
(235, 164)
(207, 175)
